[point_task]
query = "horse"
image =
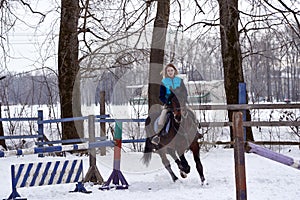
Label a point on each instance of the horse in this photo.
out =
(182, 136)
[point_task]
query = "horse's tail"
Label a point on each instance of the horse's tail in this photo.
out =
(147, 152)
(148, 144)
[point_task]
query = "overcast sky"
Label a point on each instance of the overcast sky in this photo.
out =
(32, 48)
(25, 41)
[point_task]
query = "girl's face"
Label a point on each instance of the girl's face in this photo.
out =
(170, 72)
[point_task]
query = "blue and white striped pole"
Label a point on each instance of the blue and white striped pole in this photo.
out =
(46, 173)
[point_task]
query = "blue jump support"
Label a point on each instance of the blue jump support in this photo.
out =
(40, 130)
(46, 173)
(116, 177)
(243, 100)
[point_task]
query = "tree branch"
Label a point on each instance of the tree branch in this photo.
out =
(35, 12)
(198, 5)
(284, 16)
(204, 24)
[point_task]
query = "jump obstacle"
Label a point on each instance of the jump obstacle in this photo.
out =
(116, 176)
(46, 173)
(58, 148)
(239, 154)
(31, 171)
(239, 133)
(264, 152)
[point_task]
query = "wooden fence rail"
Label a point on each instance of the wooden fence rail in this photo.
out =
(238, 107)
(252, 123)
(245, 106)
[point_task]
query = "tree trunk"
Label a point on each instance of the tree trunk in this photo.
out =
(157, 52)
(231, 56)
(68, 68)
(2, 142)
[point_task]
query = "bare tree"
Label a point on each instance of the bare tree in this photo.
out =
(68, 68)
(267, 27)
(157, 50)
(231, 55)
(104, 29)
(8, 19)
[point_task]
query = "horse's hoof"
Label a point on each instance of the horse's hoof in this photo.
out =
(204, 183)
(183, 174)
(175, 179)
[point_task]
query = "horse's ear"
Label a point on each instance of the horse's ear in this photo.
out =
(172, 95)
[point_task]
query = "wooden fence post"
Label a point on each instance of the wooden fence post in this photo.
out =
(239, 156)
(93, 174)
(102, 124)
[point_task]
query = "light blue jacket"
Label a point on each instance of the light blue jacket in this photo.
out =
(168, 84)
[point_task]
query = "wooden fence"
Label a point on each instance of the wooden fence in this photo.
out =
(238, 132)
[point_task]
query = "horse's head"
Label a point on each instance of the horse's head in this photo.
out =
(176, 107)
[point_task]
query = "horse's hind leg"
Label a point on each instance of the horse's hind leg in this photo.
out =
(185, 164)
(167, 165)
(172, 153)
(181, 163)
(196, 154)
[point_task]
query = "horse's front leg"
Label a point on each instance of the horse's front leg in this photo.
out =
(167, 165)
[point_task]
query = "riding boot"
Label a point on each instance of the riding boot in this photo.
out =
(156, 139)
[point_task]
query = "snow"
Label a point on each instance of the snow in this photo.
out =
(266, 179)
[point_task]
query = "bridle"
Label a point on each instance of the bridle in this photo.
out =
(177, 110)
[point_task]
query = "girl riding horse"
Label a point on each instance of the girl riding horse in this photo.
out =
(182, 135)
(171, 84)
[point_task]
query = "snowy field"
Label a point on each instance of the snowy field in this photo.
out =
(266, 179)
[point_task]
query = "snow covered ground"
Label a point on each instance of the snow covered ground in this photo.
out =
(266, 179)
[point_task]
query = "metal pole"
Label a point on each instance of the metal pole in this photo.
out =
(239, 156)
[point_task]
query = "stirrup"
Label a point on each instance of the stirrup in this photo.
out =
(155, 140)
